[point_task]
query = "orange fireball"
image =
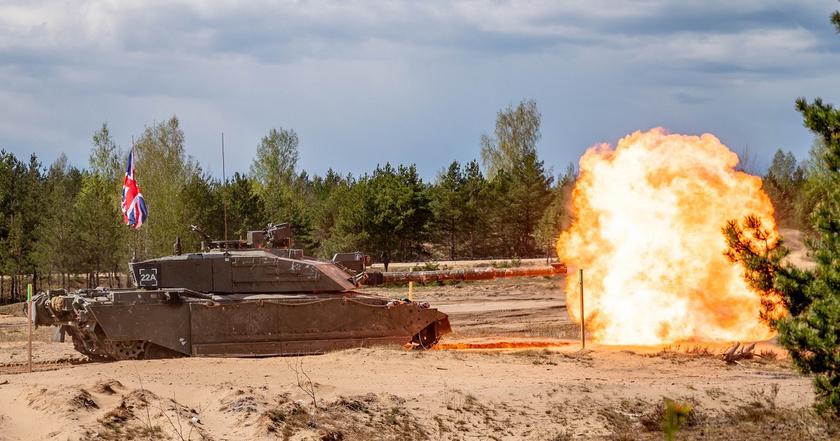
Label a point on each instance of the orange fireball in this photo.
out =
(647, 232)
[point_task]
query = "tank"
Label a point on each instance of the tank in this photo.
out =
(248, 298)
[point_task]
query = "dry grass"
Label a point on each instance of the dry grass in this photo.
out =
(768, 354)
(755, 418)
(567, 331)
(355, 417)
(684, 352)
(124, 422)
(13, 309)
(20, 334)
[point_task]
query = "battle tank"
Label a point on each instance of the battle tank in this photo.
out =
(247, 298)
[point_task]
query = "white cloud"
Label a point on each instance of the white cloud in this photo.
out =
(400, 81)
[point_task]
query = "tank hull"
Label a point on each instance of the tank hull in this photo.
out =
(134, 324)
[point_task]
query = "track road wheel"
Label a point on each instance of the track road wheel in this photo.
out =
(128, 350)
(427, 338)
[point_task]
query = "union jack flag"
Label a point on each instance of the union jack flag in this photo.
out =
(133, 205)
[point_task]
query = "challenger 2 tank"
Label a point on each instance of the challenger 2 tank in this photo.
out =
(245, 298)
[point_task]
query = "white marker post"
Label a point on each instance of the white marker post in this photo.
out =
(582, 314)
(411, 287)
(29, 301)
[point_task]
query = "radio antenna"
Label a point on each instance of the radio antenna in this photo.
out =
(224, 187)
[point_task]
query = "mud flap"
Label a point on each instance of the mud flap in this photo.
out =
(58, 335)
(443, 326)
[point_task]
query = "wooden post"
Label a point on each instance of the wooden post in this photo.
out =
(582, 314)
(29, 300)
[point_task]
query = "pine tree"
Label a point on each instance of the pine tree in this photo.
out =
(201, 197)
(448, 202)
(783, 183)
(556, 217)
(8, 165)
(530, 196)
(386, 214)
(474, 222)
(21, 205)
(94, 217)
(333, 199)
(105, 164)
(809, 326)
(816, 185)
(246, 210)
(57, 234)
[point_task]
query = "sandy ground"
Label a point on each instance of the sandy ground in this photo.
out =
(794, 240)
(553, 391)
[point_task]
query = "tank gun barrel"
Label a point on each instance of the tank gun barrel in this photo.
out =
(373, 278)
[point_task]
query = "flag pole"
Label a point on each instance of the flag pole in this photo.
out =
(134, 237)
(224, 187)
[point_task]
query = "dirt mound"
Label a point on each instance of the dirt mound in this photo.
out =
(108, 387)
(369, 416)
(83, 401)
(130, 419)
(141, 414)
(64, 401)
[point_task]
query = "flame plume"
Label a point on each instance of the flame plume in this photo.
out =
(647, 231)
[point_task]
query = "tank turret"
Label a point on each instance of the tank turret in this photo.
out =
(265, 263)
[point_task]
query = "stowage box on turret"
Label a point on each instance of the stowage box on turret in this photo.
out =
(256, 297)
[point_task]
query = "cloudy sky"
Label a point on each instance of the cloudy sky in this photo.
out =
(368, 82)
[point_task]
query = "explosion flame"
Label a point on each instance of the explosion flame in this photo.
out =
(647, 228)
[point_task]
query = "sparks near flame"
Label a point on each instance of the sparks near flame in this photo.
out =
(647, 231)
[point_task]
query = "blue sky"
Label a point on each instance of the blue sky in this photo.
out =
(368, 82)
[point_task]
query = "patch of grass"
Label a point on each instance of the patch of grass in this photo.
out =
(349, 417)
(676, 415)
(761, 405)
(21, 334)
(13, 309)
(554, 331)
(561, 436)
(512, 263)
(429, 265)
(768, 354)
(83, 401)
(122, 423)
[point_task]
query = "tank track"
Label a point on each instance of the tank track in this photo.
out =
(98, 348)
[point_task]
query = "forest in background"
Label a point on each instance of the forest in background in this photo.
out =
(62, 226)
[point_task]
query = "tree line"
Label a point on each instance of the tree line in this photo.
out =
(61, 226)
